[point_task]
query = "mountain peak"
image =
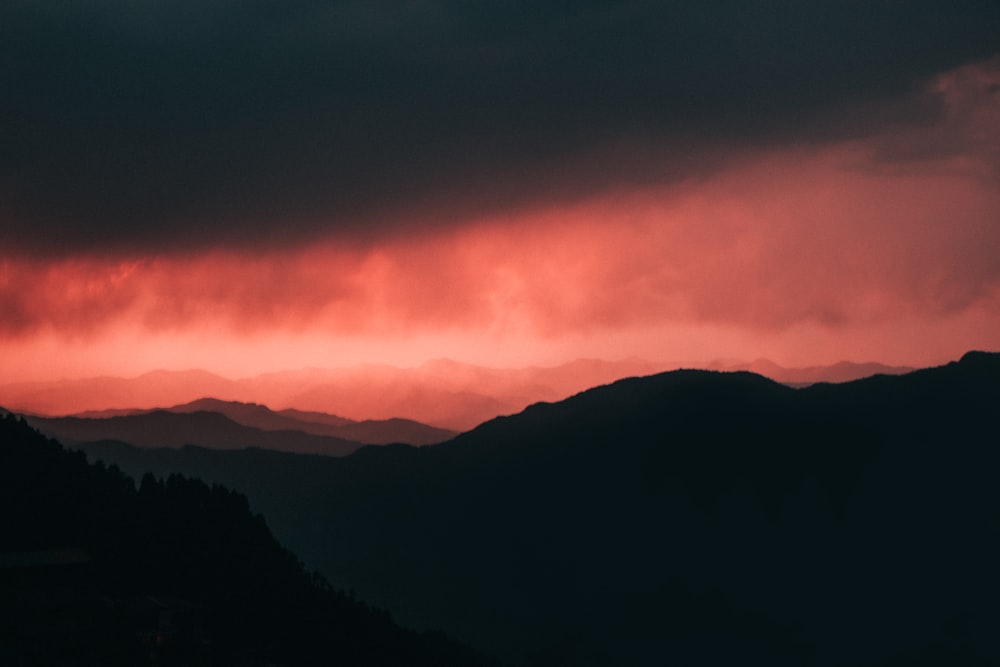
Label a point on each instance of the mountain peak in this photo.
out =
(980, 358)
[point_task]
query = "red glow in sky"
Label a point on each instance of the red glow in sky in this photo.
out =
(882, 248)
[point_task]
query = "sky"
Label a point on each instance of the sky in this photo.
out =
(254, 186)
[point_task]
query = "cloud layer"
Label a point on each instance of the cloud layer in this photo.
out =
(158, 125)
(500, 180)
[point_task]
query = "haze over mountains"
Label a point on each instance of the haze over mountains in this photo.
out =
(689, 517)
(443, 393)
(230, 425)
(842, 371)
(161, 428)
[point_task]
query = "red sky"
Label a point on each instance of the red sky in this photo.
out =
(879, 243)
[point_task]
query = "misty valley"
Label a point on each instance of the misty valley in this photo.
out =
(690, 517)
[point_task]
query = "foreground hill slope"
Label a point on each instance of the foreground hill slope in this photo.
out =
(693, 517)
(94, 571)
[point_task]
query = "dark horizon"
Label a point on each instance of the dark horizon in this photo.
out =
(442, 393)
(693, 516)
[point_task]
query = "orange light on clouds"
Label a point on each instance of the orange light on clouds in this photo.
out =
(863, 250)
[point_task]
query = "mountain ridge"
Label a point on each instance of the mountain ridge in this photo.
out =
(658, 518)
(162, 428)
(254, 415)
(96, 569)
(442, 393)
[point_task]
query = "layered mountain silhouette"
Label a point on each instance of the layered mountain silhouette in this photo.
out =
(162, 428)
(690, 517)
(444, 393)
(372, 432)
(843, 371)
(95, 571)
(150, 390)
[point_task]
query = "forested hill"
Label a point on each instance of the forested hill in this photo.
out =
(691, 517)
(97, 571)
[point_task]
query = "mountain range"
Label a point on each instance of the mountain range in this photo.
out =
(97, 570)
(447, 394)
(689, 517)
(842, 371)
(161, 428)
(232, 425)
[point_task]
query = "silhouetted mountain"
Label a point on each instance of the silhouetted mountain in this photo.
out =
(396, 430)
(456, 410)
(249, 414)
(691, 517)
(369, 432)
(316, 417)
(145, 391)
(96, 572)
(162, 428)
(842, 371)
(445, 393)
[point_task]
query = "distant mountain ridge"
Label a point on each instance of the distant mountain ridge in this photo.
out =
(842, 371)
(371, 432)
(689, 517)
(162, 428)
(149, 391)
(446, 394)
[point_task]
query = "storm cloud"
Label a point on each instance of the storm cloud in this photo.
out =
(251, 186)
(159, 126)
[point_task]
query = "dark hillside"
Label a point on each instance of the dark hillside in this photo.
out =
(691, 517)
(98, 572)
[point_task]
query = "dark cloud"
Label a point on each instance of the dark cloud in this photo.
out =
(171, 124)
